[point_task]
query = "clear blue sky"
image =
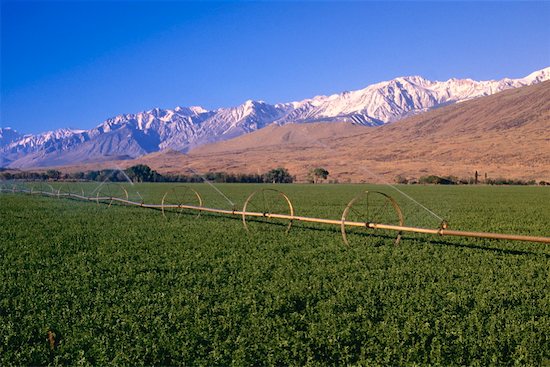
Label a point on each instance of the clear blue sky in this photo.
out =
(74, 64)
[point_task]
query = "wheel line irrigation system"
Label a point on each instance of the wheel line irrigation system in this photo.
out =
(195, 203)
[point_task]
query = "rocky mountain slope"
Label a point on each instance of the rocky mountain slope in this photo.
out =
(503, 135)
(184, 128)
(8, 136)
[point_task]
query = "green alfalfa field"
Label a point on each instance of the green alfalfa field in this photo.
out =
(88, 284)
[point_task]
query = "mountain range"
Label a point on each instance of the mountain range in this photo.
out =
(182, 129)
(501, 135)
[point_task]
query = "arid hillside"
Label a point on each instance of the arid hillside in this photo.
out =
(503, 135)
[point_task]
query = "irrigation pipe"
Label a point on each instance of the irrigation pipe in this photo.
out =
(292, 217)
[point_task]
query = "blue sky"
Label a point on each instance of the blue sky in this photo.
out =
(74, 64)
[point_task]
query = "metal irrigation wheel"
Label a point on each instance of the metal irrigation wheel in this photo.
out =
(26, 187)
(42, 188)
(371, 207)
(7, 187)
(178, 198)
(110, 192)
(262, 205)
(35, 189)
(65, 189)
(70, 189)
(21, 186)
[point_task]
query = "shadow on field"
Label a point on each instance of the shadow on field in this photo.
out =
(489, 249)
(385, 239)
(382, 239)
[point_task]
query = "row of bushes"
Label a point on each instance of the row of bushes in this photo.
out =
(143, 173)
(453, 180)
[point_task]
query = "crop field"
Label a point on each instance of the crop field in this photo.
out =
(89, 284)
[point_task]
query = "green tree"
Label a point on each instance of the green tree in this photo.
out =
(436, 180)
(53, 174)
(401, 180)
(142, 173)
(319, 173)
(278, 175)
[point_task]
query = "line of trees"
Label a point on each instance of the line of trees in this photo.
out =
(143, 173)
(453, 180)
(139, 173)
(276, 175)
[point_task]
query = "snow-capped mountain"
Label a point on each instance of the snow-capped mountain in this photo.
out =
(8, 135)
(48, 142)
(132, 135)
(392, 100)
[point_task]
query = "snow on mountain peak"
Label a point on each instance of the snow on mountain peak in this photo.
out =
(414, 79)
(185, 127)
(537, 76)
(194, 109)
(8, 135)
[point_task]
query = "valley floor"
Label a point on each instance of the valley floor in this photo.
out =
(82, 283)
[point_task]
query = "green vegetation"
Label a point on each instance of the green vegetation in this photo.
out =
(143, 173)
(436, 180)
(453, 180)
(278, 175)
(317, 174)
(82, 283)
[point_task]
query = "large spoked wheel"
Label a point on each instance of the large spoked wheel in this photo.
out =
(64, 190)
(370, 208)
(69, 189)
(109, 192)
(26, 187)
(8, 187)
(42, 188)
(264, 206)
(178, 199)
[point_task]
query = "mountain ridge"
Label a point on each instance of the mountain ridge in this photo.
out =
(503, 135)
(185, 128)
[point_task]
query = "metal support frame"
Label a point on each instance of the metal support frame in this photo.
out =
(343, 222)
